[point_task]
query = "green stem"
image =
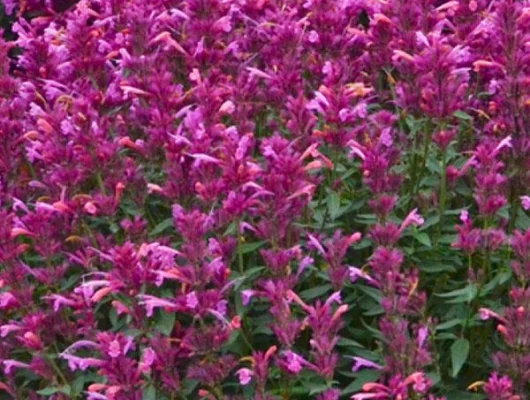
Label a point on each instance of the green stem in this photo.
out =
(486, 259)
(101, 185)
(443, 193)
(413, 167)
(426, 146)
(218, 392)
(90, 234)
(245, 337)
(332, 180)
(514, 201)
(58, 370)
(239, 249)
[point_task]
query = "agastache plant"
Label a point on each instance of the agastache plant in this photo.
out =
(264, 199)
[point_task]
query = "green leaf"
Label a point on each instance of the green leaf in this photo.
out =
(345, 342)
(448, 324)
(464, 396)
(165, 322)
(433, 220)
(372, 292)
(316, 388)
(334, 205)
(312, 293)
(463, 116)
(114, 228)
(447, 239)
(523, 221)
(250, 247)
(161, 227)
(149, 393)
(364, 376)
(436, 267)
(248, 274)
(48, 391)
(459, 353)
(504, 212)
(52, 390)
(423, 238)
(498, 280)
(461, 295)
(377, 309)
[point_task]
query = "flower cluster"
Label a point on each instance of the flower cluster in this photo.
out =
(264, 199)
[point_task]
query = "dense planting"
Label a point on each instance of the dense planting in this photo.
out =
(265, 199)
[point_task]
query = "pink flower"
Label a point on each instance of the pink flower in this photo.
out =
(8, 328)
(356, 150)
(356, 273)
(525, 201)
(464, 216)
(7, 300)
(75, 362)
(246, 295)
(148, 359)
(90, 208)
(227, 108)
(506, 142)
(114, 349)
(412, 219)
(313, 37)
(334, 298)
(486, 313)
(59, 301)
(149, 356)
(423, 334)
(294, 362)
(360, 362)
(191, 300)
(9, 365)
(245, 376)
(152, 302)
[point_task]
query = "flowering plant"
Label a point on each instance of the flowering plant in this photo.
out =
(264, 199)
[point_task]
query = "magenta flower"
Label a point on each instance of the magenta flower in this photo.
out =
(152, 302)
(525, 201)
(10, 365)
(245, 375)
(360, 362)
(246, 296)
(412, 219)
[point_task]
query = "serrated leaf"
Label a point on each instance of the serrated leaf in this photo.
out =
(459, 354)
